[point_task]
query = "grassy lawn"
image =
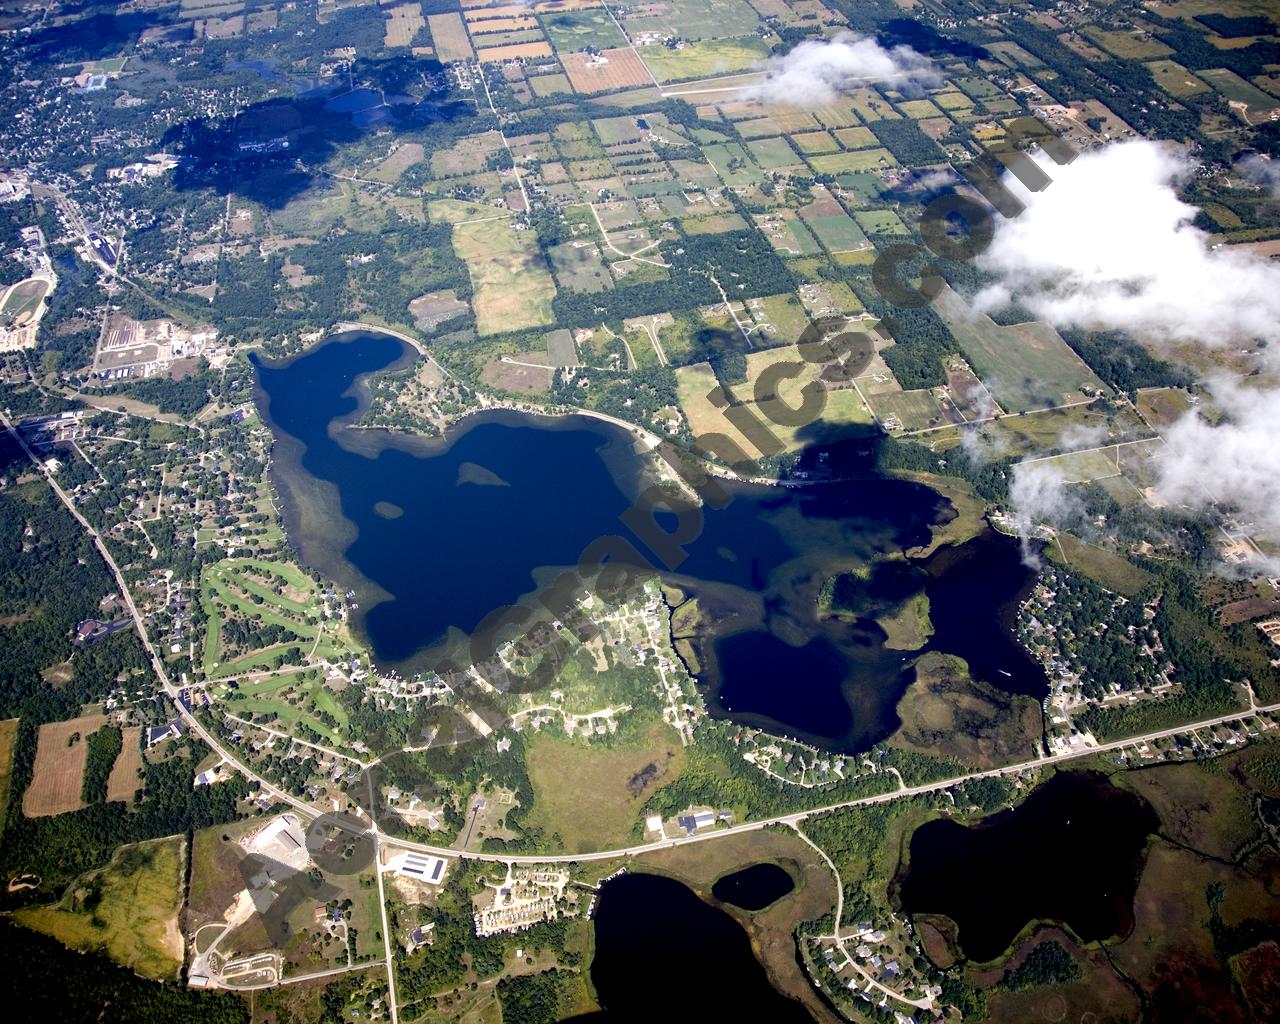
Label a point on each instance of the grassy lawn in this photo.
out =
(23, 300)
(273, 696)
(228, 589)
(135, 916)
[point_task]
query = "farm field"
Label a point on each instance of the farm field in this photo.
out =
(126, 773)
(857, 137)
(511, 286)
(56, 776)
(1027, 366)
(1129, 45)
(832, 226)
(1162, 407)
(404, 21)
(550, 85)
(774, 153)
(449, 35)
(880, 222)
(456, 211)
(621, 69)
(814, 143)
(405, 156)
(1080, 467)
(843, 408)
(858, 160)
(514, 51)
(129, 909)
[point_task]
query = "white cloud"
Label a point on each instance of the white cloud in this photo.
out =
(1108, 244)
(1236, 462)
(982, 441)
(1262, 170)
(816, 72)
(1038, 494)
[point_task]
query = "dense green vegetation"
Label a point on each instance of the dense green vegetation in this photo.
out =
(1048, 964)
(531, 999)
(104, 747)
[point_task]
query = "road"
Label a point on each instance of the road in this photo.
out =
(191, 722)
(294, 979)
(381, 839)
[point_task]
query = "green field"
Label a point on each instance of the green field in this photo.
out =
(582, 30)
(1127, 45)
(860, 160)
(813, 143)
(1236, 90)
(784, 314)
(706, 19)
(773, 153)
(579, 268)
(1027, 366)
(704, 59)
(581, 790)
(732, 163)
(129, 909)
(511, 286)
(550, 85)
(915, 410)
(787, 233)
(880, 222)
(491, 39)
(455, 211)
(857, 137)
(1079, 467)
(1174, 79)
(837, 232)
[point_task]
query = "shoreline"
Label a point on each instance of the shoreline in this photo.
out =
(647, 437)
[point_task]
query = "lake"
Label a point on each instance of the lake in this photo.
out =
(663, 953)
(755, 887)
(435, 534)
(1072, 853)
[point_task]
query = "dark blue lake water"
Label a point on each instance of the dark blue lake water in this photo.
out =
(433, 535)
(755, 887)
(663, 953)
(1072, 852)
